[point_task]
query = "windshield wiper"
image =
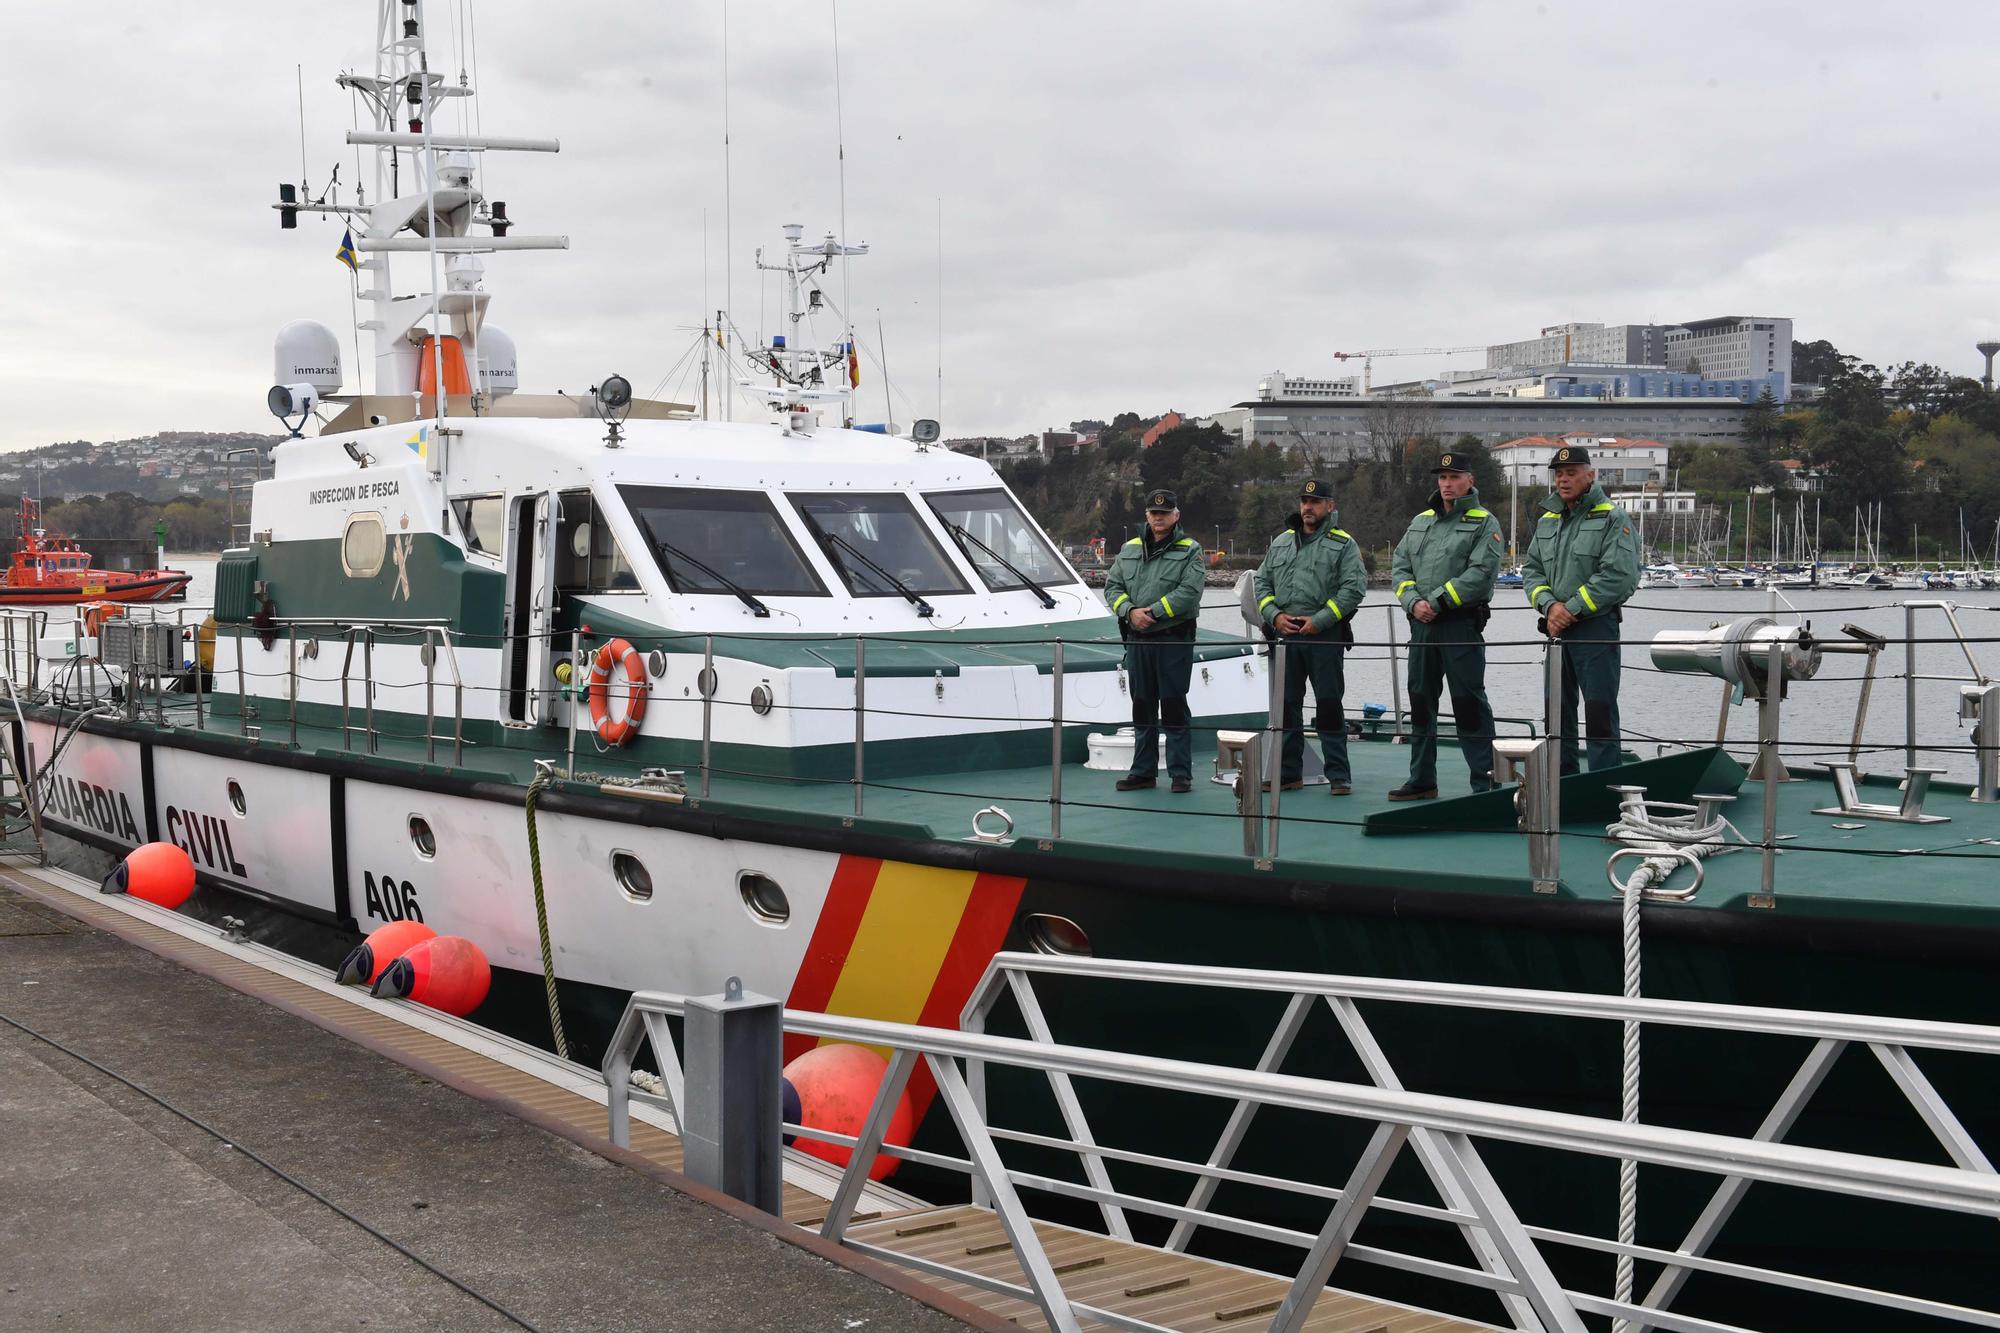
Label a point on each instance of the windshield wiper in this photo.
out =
(962, 536)
(671, 552)
(832, 539)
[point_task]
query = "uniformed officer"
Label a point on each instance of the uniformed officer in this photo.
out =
(1308, 589)
(1581, 565)
(1154, 588)
(1442, 572)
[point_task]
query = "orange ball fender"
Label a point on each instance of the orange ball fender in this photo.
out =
(612, 730)
(384, 945)
(445, 973)
(836, 1085)
(158, 872)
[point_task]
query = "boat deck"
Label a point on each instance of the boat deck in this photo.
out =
(1826, 865)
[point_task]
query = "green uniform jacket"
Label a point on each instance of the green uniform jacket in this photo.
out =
(1586, 557)
(1449, 557)
(1317, 574)
(1168, 582)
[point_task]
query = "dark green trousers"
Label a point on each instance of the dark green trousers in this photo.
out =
(1449, 651)
(1320, 661)
(1159, 671)
(1590, 668)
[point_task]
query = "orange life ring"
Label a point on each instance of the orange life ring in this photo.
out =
(610, 730)
(95, 614)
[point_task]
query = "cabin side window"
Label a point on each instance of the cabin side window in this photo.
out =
(483, 520)
(587, 555)
(363, 545)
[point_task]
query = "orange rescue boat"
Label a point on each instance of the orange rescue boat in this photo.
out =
(50, 569)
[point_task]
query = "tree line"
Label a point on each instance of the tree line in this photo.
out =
(193, 523)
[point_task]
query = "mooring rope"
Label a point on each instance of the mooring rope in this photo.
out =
(542, 779)
(1663, 827)
(1628, 1168)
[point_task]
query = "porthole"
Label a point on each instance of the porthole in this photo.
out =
(705, 681)
(656, 664)
(760, 700)
(766, 901)
(236, 801)
(363, 544)
(1057, 935)
(422, 838)
(633, 878)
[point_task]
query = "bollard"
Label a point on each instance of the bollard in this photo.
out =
(731, 1124)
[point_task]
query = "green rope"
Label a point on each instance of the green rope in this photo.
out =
(542, 780)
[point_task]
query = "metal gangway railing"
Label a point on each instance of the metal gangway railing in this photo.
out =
(1514, 1259)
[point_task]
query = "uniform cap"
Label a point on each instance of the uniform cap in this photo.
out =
(1570, 453)
(1162, 500)
(1315, 488)
(1457, 460)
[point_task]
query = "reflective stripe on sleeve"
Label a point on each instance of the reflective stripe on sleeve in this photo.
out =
(1456, 600)
(1267, 601)
(1538, 588)
(1336, 611)
(1169, 605)
(1584, 592)
(1122, 599)
(1406, 583)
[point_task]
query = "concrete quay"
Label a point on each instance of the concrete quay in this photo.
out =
(117, 1212)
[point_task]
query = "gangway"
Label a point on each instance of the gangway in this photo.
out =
(1523, 1270)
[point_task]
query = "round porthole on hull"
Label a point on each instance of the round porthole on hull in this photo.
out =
(236, 799)
(1057, 935)
(422, 838)
(634, 880)
(764, 899)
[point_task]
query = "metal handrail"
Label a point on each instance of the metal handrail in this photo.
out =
(1889, 1040)
(1978, 676)
(1441, 1129)
(1924, 1034)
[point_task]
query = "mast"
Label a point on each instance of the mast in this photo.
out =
(432, 208)
(798, 365)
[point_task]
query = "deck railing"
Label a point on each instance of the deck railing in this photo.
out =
(882, 702)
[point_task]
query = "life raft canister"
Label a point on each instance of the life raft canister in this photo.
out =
(96, 613)
(616, 731)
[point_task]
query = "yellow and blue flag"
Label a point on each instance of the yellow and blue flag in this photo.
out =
(420, 442)
(345, 254)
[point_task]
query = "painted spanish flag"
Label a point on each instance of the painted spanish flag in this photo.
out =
(903, 943)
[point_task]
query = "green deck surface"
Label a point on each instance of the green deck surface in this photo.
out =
(1942, 873)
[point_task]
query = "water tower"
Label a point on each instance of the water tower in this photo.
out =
(1987, 349)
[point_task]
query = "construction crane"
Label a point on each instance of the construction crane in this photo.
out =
(1368, 358)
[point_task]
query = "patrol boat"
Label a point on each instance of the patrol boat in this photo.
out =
(633, 699)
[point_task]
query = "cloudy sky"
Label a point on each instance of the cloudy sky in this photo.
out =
(1141, 206)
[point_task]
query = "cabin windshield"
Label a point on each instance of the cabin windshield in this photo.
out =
(992, 518)
(884, 529)
(736, 534)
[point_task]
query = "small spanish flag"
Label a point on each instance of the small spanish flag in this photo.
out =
(345, 254)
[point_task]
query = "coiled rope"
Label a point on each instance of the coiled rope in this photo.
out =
(543, 779)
